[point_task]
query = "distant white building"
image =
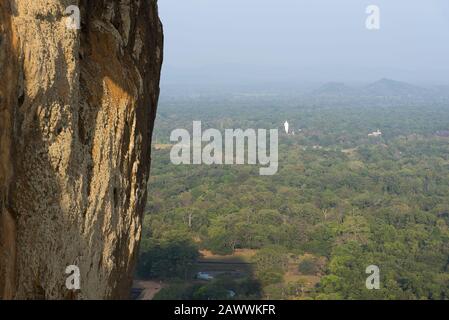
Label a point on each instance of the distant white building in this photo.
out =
(377, 133)
(204, 276)
(287, 127)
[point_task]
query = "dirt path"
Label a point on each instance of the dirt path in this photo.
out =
(150, 288)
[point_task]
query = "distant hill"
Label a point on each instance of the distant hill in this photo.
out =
(392, 88)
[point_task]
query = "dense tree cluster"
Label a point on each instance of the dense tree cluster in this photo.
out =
(346, 200)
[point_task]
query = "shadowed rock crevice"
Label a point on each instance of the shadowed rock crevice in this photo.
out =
(8, 92)
(75, 143)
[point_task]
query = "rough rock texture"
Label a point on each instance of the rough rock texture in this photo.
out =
(76, 115)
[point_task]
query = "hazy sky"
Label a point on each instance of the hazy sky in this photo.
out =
(304, 40)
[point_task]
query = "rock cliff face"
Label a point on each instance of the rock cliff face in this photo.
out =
(76, 116)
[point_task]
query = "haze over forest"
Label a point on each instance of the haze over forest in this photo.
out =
(290, 42)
